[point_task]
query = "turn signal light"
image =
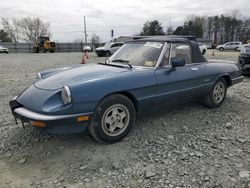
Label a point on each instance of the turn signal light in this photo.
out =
(83, 118)
(38, 123)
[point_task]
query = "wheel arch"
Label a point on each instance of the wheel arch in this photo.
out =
(127, 94)
(227, 79)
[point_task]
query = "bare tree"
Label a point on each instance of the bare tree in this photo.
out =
(12, 27)
(26, 29)
(169, 30)
(32, 29)
(95, 39)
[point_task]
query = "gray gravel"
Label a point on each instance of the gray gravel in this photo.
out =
(190, 146)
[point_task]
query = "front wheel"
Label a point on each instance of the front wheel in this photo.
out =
(217, 95)
(221, 49)
(107, 53)
(204, 52)
(113, 119)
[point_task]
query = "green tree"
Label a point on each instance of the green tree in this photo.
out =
(179, 31)
(4, 36)
(152, 28)
(191, 27)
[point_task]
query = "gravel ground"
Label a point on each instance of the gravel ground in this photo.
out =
(191, 146)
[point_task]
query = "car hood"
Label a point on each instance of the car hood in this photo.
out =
(78, 74)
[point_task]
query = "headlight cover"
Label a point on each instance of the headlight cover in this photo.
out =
(66, 95)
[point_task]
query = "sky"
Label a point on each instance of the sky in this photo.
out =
(125, 17)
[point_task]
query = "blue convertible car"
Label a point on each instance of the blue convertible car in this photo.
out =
(144, 75)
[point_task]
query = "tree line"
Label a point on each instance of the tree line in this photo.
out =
(219, 28)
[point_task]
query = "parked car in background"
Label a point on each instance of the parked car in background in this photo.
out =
(87, 49)
(144, 76)
(108, 49)
(230, 46)
(244, 59)
(3, 49)
(203, 48)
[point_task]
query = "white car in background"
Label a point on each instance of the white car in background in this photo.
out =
(108, 49)
(230, 46)
(203, 47)
(3, 49)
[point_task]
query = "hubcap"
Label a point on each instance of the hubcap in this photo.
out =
(115, 120)
(219, 92)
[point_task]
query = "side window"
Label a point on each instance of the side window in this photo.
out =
(181, 51)
(113, 45)
(119, 44)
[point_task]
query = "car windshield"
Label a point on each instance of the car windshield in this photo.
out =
(107, 45)
(138, 54)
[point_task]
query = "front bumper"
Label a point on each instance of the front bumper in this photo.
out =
(55, 124)
(4, 51)
(100, 52)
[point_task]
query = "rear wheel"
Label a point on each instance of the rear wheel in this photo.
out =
(113, 119)
(217, 95)
(203, 52)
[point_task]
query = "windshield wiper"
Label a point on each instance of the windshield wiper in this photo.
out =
(122, 61)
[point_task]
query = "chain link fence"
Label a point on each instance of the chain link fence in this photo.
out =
(60, 47)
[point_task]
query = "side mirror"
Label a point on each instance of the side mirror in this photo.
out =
(178, 62)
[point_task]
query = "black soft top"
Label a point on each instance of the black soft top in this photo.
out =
(197, 57)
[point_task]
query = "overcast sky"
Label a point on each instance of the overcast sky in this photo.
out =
(126, 17)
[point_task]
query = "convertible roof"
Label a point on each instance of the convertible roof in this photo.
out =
(197, 57)
(166, 37)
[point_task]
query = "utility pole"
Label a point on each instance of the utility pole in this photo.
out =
(112, 34)
(85, 31)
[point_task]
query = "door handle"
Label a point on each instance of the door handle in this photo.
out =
(194, 68)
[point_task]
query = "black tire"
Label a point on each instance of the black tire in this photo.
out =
(35, 50)
(100, 129)
(215, 97)
(52, 51)
(203, 52)
(236, 49)
(107, 53)
(221, 49)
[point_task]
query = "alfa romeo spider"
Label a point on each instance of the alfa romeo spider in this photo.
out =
(145, 75)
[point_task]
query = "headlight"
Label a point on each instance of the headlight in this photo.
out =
(66, 95)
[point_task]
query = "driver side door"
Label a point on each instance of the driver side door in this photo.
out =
(180, 84)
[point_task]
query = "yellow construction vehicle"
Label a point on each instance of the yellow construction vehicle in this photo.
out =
(44, 45)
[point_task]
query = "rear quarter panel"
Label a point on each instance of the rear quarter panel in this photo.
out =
(213, 70)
